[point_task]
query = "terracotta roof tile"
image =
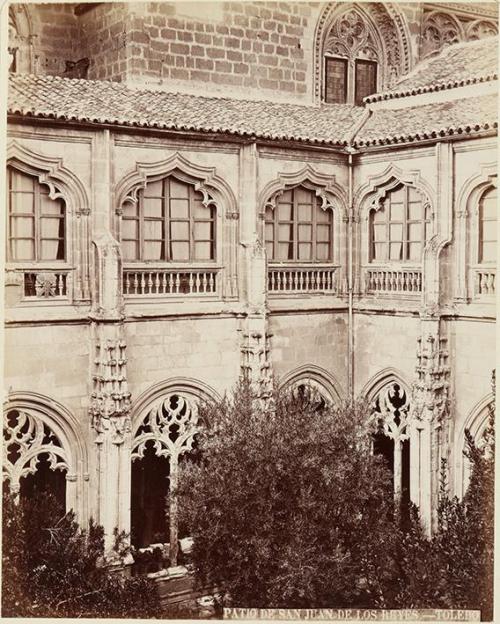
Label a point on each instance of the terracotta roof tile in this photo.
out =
(429, 121)
(114, 103)
(457, 65)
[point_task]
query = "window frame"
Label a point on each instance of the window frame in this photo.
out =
(37, 217)
(425, 223)
(481, 222)
(357, 62)
(295, 222)
(350, 77)
(166, 220)
(345, 61)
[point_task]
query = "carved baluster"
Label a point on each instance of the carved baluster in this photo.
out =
(150, 283)
(204, 282)
(136, 283)
(177, 283)
(127, 283)
(212, 284)
(301, 280)
(313, 280)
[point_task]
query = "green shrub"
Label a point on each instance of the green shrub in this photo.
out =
(52, 568)
(286, 504)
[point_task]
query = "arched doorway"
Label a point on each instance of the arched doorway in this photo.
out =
(35, 461)
(390, 410)
(163, 437)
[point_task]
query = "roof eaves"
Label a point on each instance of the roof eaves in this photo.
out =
(439, 86)
(426, 135)
(135, 123)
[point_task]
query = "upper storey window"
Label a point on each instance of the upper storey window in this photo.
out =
(37, 223)
(298, 229)
(168, 223)
(400, 229)
(351, 59)
(488, 226)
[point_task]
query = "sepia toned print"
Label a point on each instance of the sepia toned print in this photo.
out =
(250, 289)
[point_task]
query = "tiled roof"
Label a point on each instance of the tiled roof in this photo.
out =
(103, 102)
(440, 119)
(457, 65)
(106, 102)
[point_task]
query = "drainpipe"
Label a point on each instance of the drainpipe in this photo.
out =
(351, 150)
(350, 285)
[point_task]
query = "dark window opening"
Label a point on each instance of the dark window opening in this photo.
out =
(44, 481)
(365, 79)
(335, 80)
(150, 481)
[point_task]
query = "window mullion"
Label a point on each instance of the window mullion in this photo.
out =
(406, 208)
(166, 220)
(314, 208)
(295, 226)
(191, 225)
(275, 231)
(37, 225)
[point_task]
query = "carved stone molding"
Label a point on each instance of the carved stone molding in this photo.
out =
(110, 399)
(377, 187)
(320, 379)
(430, 397)
(20, 44)
(44, 425)
(214, 189)
(62, 182)
(332, 195)
(440, 29)
(255, 351)
(384, 32)
(26, 438)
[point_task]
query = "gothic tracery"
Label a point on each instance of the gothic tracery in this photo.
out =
(26, 438)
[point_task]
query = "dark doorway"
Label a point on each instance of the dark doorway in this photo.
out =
(150, 484)
(44, 481)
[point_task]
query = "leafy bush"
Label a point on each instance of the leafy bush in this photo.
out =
(454, 569)
(288, 508)
(52, 568)
(286, 504)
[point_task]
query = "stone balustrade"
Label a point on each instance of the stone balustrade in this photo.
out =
(485, 281)
(46, 284)
(408, 281)
(302, 279)
(149, 282)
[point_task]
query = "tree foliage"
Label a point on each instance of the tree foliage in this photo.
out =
(286, 504)
(288, 508)
(52, 568)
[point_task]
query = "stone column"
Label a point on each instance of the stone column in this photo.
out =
(255, 336)
(109, 411)
(429, 417)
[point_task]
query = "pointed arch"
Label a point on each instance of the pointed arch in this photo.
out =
(205, 180)
(380, 184)
(216, 193)
(319, 378)
(65, 444)
(193, 389)
(165, 423)
(50, 171)
(468, 278)
(325, 186)
(383, 378)
(476, 422)
(62, 184)
(20, 45)
(389, 29)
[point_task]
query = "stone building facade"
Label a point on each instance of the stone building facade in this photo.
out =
(302, 191)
